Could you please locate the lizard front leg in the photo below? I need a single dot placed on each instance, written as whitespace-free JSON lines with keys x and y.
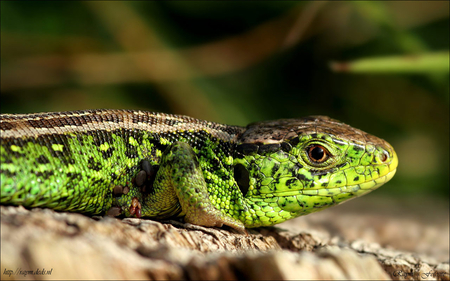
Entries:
{"x":180,"y":171}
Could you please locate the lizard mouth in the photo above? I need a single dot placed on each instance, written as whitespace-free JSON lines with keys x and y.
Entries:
{"x":356,"y":189}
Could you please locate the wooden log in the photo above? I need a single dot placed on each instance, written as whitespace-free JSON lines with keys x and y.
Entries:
{"x":43,"y":244}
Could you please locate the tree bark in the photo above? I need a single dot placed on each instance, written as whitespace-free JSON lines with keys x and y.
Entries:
{"x":43,"y":244}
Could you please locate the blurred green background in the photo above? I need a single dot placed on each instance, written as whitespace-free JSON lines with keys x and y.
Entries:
{"x":379,"y":66}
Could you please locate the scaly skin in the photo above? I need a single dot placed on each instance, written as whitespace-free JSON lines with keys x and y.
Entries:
{"x":93,"y":161}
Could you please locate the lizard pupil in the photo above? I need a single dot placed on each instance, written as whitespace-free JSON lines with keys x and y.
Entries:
{"x":317,"y":153}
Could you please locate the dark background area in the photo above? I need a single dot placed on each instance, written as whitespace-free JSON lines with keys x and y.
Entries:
{"x":240,"y":62}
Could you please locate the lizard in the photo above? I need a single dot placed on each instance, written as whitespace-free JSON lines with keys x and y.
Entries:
{"x":132,"y":163}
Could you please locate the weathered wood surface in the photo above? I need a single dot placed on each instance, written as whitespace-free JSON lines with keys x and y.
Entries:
{"x":73,"y":246}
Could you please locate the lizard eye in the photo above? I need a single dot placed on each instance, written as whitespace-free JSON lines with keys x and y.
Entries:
{"x":318,"y":153}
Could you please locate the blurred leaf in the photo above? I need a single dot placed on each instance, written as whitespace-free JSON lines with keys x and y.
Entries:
{"x":427,"y":63}
{"x":381,"y":16}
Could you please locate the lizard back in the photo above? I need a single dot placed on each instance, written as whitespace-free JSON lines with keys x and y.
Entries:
{"x":73,"y":160}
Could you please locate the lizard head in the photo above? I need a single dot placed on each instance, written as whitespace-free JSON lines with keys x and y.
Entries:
{"x":292,"y":167}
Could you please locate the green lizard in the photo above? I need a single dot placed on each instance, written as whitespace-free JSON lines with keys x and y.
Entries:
{"x":154,"y":165}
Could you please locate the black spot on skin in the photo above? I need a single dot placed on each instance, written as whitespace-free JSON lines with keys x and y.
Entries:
{"x":98,"y":182}
{"x":356,"y":179}
{"x":42,"y":160}
{"x":294,"y":141}
{"x":65,"y":156}
{"x":275,"y":168}
{"x":128,"y":171}
{"x":238,"y":155}
{"x":139,"y":118}
{"x":247,"y":148}
{"x":301,"y":177}
{"x":314,"y":136}
{"x":94,"y":165}
{"x":102,"y":137}
{"x":275,"y":182}
{"x":242,"y":177}
{"x":338,"y":181}
{"x":8,"y":173}
{"x":224,"y":177}
{"x":131,"y":151}
{"x":289,"y":182}
{"x":5,"y":126}
{"x":358,"y":148}
{"x":171,"y":122}
{"x":325,"y":184}
{"x":108,"y":153}
{"x":73,"y":175}
{"x":268,"y":148}
{"x":215,"y":163}
{"x":286,"y":147}
{"x":8,"y":157}
{"x":159,"y":146}
{"x":45,"y":175}
{"x":153,"y":153}
{"x":57,"y":154}
{"x":322,"y":172}
{"x":312,"y":184}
